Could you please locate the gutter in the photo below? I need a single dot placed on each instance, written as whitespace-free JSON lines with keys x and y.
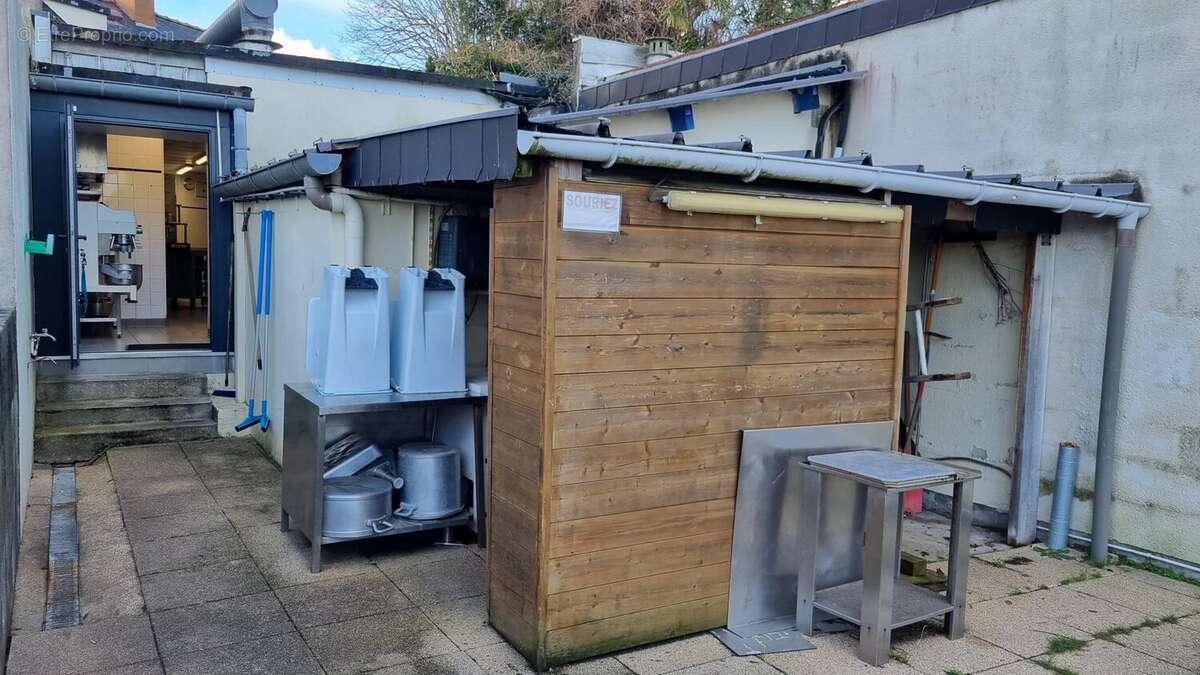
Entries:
{"x":184,"y":98}
{"x":287,"y":173}
{"x":751,"y":166}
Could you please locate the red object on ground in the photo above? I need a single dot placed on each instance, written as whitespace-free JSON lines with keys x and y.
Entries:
{"x":914,"y":501}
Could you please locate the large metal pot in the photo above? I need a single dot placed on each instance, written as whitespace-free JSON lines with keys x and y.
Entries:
{"x":357,"y":506}
{"x":432,"y":481}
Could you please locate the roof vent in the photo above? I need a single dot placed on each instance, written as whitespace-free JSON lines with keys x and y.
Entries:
{"x":658,"y":49}
{"x":247,"y":24}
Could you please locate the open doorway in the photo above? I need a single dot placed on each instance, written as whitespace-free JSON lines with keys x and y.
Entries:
{"x":143,"y":223}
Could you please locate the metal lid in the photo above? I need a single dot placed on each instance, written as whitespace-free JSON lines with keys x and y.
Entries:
{"x":350,"y":488}
{"x":425,"y":450}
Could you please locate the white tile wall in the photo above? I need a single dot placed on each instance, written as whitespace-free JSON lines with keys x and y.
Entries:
{"x":142,"y":192}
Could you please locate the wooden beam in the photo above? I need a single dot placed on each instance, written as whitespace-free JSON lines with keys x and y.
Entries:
{"x":1026,"y":483}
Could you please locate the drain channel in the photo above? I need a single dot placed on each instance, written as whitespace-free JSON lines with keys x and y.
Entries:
{"x":62,"y":574}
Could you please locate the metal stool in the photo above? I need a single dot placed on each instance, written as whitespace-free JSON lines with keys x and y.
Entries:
{"x":881,"y":602}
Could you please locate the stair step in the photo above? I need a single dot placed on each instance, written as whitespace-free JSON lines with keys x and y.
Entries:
{"x":106,"y":387}
{"x":83,"y":442}
{"x":74,"y":413}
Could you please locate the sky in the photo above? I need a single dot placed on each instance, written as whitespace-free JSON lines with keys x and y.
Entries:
{"x":303,"y":27}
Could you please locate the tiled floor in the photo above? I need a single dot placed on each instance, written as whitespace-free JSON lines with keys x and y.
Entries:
{"x":183,"y":326}
{"x":184,"y":570}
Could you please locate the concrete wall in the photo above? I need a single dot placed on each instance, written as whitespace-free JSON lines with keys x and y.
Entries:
{"x":15,"y":285}
{"x":1078,"y":90}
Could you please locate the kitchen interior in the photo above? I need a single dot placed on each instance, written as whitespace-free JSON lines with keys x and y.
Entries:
{"x":143,"y":253}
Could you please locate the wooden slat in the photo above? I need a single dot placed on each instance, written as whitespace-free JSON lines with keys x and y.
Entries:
{"x":520,"y":203}
{"x":513,"y":526}
{"x":523,"y":458}
{"x":513,"y":616}
{"x":653,"y":625}
{"x":643,"y":423}
{"x":522,"y":277}
{"x":516,"y":349}
{"x":639,"y":527}
{"x":642,"y":560}
{"x":516,"y":567}
{"x":515,"y":489}
{"x":520,"y":240}
{"x":624,"y":316}
{"x":609,"y":353}
{"x":638,"y":210}
{"x":665,"y":244}
{"x":622,"y":495}
{"x":627,"y":597}
{"x":516,"y":312}
{"x":650,"y":387}
{"x":517,"y":420}
{"x":645,"y":458}
{"x":518,"y":384}
{"x":598,"y":279}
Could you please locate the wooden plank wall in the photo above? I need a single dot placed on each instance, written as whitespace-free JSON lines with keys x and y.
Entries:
{"x":658,"y":346}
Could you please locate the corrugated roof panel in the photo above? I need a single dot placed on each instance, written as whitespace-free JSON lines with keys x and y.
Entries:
{"x":783,"y":44}
{"x":466,"y":150}
{"x":391,"y":158}
{"x":652,"y":82}
{"x":670,"y":76}
{"x":367,"y":164}
{"x":440,"y":161}
{"x":414,"y":149}
{"x":735,"y":57}
{"x":689,"y":72}
{"x":634,"y":86}
{"x":810,"y":37}
{"x":842,"y":27}
{"x":758,"y":51}
{"x":878,"y":17}
{"x":710,"y":65}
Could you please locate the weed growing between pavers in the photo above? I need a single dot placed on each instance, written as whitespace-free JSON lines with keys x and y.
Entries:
{"x":1147,"y":566}
{"x":1082,"y":576}
{"x":1061,"y":644}
{"x":1110,"y":633}
{"x":955,"y":672}
{"x":1054,"y":668}
{"x":900,"y":655}
{"x":1056,"y":553}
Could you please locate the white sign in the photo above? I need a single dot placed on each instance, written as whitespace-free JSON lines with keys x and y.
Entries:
{"x":591,"y":211}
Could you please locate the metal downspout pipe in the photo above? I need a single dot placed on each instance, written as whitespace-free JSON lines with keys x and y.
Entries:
{"x":340,"y":202}
{"x":1110,"y":388}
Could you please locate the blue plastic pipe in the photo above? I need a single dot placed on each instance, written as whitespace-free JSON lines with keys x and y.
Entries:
{"x":1064,"y":495}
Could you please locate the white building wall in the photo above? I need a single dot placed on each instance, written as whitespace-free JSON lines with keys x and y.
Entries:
{"x":1078,"y":90}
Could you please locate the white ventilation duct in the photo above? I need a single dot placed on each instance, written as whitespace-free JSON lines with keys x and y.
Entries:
{"x":247,"y":24}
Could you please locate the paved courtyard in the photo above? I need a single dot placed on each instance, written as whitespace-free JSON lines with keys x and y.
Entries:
{"x":183,"y":569}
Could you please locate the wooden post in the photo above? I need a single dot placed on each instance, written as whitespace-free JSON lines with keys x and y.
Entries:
{"x":1026,"y":482}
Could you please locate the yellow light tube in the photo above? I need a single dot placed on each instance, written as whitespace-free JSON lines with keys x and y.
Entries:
{"x":781,"y":207}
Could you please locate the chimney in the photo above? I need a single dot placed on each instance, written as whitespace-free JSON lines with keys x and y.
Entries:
{"x":141,"y":11}
{"x":246,"y":24}
{"x":658,"y":49}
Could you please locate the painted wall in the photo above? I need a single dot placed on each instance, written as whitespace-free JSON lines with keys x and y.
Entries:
{"x":294,"y":107}
{"x":1104,"y":91}
{"x":15,"y":284}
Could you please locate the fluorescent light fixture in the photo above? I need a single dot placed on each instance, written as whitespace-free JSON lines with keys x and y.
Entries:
{"x":184,"y":170}
{"x":202,"y":161}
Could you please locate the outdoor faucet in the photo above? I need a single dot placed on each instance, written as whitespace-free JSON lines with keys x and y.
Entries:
{"x":35,"y":341}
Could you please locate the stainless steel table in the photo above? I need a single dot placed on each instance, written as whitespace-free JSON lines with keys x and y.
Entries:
{"x":880,"y":602}
{"x":312,"y":419}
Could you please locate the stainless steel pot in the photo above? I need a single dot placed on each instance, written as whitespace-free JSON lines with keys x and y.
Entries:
{"x":432,"y":478}
{"x":357,"y":506}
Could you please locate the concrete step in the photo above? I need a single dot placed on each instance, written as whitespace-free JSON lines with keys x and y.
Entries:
{"x":108,"y":387}
{"x":75,"y":413}
{"x":83,"y":442}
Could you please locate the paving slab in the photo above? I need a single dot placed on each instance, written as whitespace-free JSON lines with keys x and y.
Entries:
{"x":341,"y":599}
{"x":375,"y":642}
{"x":1181,"y":587}
{"x":215,"y":624}
{"x":29,"y":605}
{"x":108,"y":582}
{"x":227,"y":463}
{"x":988,"y":582}
{"x":928,"y":651}
{"x":604,"y":665}
{"x":164,"y":505}
{"x":283,"y":557}
{"x":179,"y":588}
{"x":191,"y":550}
{"x":83,"y":649}
{"x":464,"y":621}
{"x":452,"y":579}
{"x":148,"y":461}
{"x":732,"y":665}
{"x":1192,"y":622}
{"x":837,"y":653}
{"x":136,"y":488}
{"x":501,"y":658}
{"x":1172,"y":643}
{"x":1026,"y":667}
{"x":1040,"y":569}
{"x":674,"y":655}
{"x":450,"y":664}
{"x":176,"y":525}
{"x":1025,"y":623}
{"x":250,"y":505}
{"x":1129,"y":591}
{"x":420,"y":550}
{"x":145,"y":668}
{"x":270,"y":656}
{"x":1101,"y":657}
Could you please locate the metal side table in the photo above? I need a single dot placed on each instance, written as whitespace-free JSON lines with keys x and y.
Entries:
{"x":880,"y":602}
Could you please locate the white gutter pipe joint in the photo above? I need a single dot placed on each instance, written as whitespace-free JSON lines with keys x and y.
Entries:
{"x":338,"y":202}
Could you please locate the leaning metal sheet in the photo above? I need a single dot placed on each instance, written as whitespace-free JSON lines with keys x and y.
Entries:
{"x":762,"y":586}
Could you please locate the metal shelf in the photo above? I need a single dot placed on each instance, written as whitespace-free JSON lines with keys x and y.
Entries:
{"x":407,"y":525}
{"x":910,"y":603}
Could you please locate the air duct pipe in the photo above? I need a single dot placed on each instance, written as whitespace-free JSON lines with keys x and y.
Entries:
{"x":248,"y":24}
{"x":339,"y":202}
{"x":1110,"y":387}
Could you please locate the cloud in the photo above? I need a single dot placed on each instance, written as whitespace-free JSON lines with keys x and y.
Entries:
{"x":301,"y":46}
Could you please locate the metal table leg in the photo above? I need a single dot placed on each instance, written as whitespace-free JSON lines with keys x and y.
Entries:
{"x":879,"y":576}
{"x":807,"y":546}
{"x":960,"y":555}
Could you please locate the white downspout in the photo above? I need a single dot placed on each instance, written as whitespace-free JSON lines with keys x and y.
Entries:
{"x":339,"y":202}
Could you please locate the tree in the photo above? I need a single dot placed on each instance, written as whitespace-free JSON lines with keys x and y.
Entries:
{"x":481,"y":38}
